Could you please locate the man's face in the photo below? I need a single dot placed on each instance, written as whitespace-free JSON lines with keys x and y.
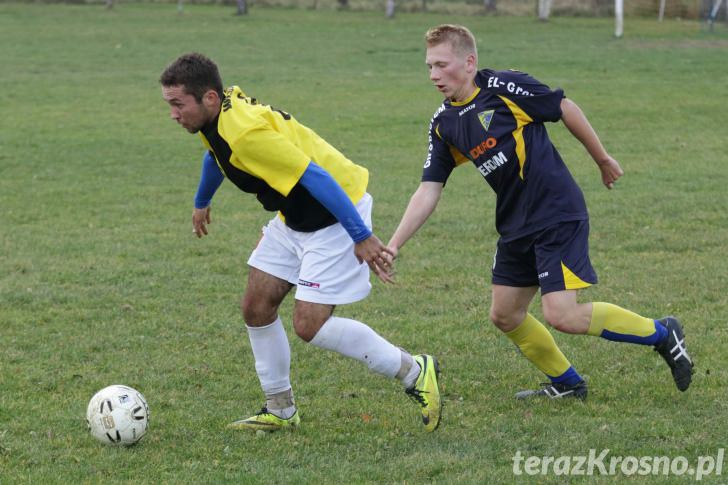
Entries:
{"x":185,"y":110}
{"x":451,"y":72}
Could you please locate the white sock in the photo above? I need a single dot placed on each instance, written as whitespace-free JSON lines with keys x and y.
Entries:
{"x":272,"y":357}
{"x":410,"y":378}
{"x":281,"y":404}
{"x":358,"y":341}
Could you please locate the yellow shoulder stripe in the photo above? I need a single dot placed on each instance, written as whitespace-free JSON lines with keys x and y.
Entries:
{"x":522,"y":119}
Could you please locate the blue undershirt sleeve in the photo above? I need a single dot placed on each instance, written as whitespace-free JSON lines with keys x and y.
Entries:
{"x":210,"y":179}
{"x":329,"y":193}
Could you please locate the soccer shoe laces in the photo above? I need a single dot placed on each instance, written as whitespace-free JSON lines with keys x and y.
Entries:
{"x":263,"y":411}
{"x":417,"y":396}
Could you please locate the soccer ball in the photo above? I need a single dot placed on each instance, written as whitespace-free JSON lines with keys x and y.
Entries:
{"x":118,"y":415}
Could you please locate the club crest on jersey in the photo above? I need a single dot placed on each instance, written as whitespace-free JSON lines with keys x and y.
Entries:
{"x":485,"y":118}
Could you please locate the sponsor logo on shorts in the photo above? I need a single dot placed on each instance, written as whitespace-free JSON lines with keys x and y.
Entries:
{"x":310,"y":284}
{"x":543,"y":275}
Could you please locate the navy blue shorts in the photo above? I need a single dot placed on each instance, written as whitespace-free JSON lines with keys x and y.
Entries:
{"x":555,"y":259}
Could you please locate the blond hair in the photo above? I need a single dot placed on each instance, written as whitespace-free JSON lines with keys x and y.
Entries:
{"x":458,"y":36}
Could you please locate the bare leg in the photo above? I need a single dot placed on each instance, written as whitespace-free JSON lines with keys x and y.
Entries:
{"x":268,"y":339}
{"x":262,"y":298}
{"x":561,"y":311}
{"x":510,"y":305}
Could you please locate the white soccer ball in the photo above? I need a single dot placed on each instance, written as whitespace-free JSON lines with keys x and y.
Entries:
{"x":118,"y":415}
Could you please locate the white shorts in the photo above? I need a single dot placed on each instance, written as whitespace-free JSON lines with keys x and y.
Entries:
{"x":321,"y":264}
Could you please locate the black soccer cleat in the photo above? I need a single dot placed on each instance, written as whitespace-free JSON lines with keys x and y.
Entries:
{"x":554,"y":390}
{"x":675,"y":353}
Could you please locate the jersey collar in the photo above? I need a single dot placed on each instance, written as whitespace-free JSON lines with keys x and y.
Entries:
{"x":470,"y":98}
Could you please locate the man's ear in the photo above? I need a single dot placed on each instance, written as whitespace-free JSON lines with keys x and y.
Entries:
{"x":211,"y":99}
{"x":471,"y":63}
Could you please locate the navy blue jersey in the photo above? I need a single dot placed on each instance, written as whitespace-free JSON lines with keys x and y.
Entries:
{"x":500,"y":128}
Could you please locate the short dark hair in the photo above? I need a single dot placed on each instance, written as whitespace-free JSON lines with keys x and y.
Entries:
{"x":195,"y":72}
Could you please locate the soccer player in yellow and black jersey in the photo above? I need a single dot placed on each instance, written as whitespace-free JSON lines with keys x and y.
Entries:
{"x":318,"y":241}
{"x":495,"y":120}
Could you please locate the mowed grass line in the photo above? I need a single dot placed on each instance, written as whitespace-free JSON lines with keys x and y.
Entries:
{"x":101,"y":281}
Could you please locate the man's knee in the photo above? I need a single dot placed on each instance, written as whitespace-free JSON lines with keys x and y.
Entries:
{"x":558,"y":318}
{"x":506,"y":321}
{"x":308,"y":318}
{"x":509,"y":306}
{"x":307,"y":326}
{"x":257,"y":312}
{"x":262,"y":297}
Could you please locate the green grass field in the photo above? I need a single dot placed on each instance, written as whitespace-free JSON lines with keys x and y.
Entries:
{"x":101,"y":281}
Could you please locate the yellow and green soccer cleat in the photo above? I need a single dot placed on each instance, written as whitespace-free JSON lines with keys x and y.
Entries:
{"x":266,"y":421}
{"x":426,"y":392}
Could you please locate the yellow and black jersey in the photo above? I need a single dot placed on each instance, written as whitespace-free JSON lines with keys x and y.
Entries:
{"x":500,"y":129}
{"x":265,"y":151}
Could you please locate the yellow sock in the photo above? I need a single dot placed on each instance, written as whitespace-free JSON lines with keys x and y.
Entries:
{"x":539,"y":346}
{"x":617,"y":324}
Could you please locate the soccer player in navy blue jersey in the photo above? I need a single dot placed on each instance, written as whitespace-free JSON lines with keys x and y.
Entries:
{"x":318,"y":241}
{"x":495,"y":120}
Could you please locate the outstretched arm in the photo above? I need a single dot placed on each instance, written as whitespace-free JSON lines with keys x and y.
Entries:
{"x":210,"y":179}
{"x":367,"y":247}
{"x":420,"y":207}
{"x":579,"y":126}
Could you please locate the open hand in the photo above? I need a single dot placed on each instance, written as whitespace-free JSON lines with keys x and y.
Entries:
{"x":200,"y":220}
{"x":377,"y":256}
